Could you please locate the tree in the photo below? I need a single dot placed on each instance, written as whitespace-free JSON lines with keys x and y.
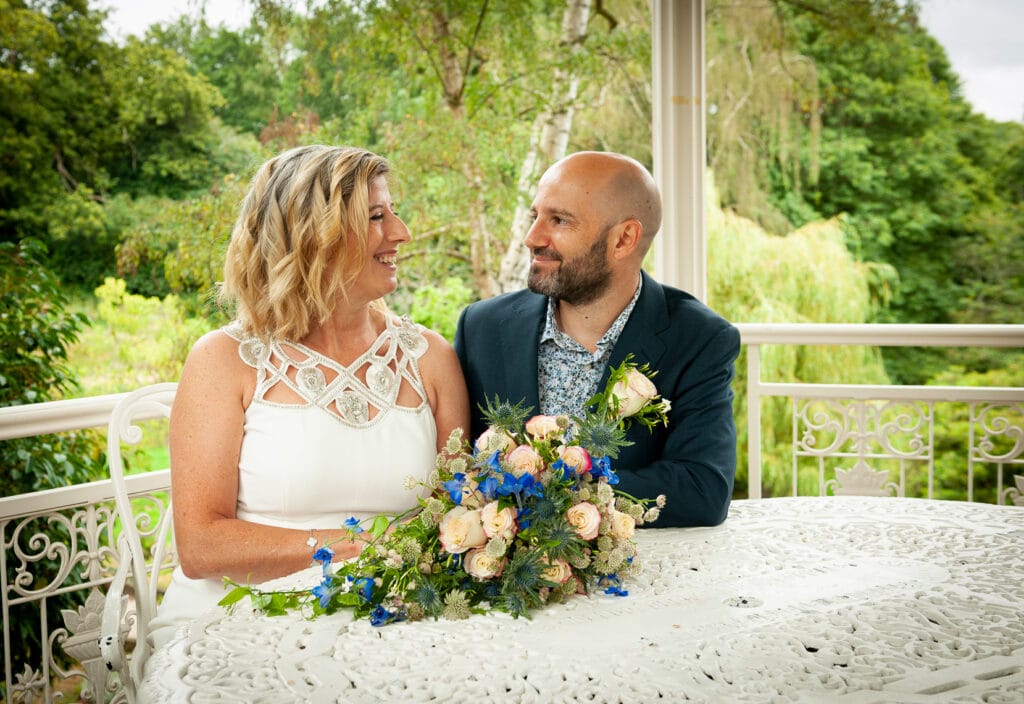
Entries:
{"x":82,"y":119}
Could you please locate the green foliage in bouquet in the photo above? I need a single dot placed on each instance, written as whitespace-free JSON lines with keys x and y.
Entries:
{"x":528,"y":517}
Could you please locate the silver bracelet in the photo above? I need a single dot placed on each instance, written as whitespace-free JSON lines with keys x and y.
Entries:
{"x":311,"y":541}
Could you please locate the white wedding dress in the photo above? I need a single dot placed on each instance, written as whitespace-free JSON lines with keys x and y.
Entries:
{"x":346,"y":449}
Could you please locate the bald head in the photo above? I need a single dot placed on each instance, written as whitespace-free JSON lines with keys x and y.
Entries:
{"x":618,"y":187}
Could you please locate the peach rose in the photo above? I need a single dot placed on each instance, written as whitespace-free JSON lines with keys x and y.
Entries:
{"x":576,"y":457}
{"x":541,"y":427}
{"x":460,"y":530}
{"x":493,"y":439}
{"x":558,"y":571}
{"x":479,"y":565}
{"x":498,"y":523}
{"x":623,"y":525}
{"x":524,"y":459}
{"x":585,"y":519}
{"x":633,"y":392}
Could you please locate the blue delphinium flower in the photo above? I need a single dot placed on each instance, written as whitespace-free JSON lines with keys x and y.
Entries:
{"x":524,"y":485}
{"x":603,"y":468}
{"x":489,"y":487}
{"x":523,"y":518}
{"x":352,"y":523}
{"x":454,"y":487}
{"x":366,"y":585}
{"x":324,"y":591}
{"x":494,"y":462}
{"x":566,"y":471}
{"x":381,"y":616}
{"x":614,"y":587}
{"x":324,"y":555}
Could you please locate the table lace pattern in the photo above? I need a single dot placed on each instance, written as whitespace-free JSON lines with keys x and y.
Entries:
{"x":356,"y":394}
{"x":833,"y":599}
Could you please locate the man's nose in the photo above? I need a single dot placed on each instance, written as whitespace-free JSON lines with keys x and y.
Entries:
{"x":534,"y":236}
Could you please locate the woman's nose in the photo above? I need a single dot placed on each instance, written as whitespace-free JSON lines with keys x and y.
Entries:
{"x":398,"y":231}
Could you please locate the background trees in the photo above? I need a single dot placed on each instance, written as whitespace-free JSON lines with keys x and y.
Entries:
{"x":840,"y":150}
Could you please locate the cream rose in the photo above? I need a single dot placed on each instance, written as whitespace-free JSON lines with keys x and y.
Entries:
{"x":460,"y":530}
{"x":479,"y":565}
{"x":498,"y":523}
{"x":576,"y":457}
{"x":524,"y":459}
{"x":558,"y":571}
{"x":633,"y":392}
{"x":585,"y":519}
{"x":493,"y":439}
{"x":542,"y":427}
{"x":622,"y":525}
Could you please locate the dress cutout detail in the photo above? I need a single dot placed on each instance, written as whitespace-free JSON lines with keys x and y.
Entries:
{"x":358,"y":394}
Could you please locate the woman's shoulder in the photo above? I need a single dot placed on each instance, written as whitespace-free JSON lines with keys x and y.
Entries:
{"x":215,"y":369}
{"x":224,"y":346}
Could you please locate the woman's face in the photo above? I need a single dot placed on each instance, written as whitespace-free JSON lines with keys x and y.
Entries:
{"x":379,"y":276}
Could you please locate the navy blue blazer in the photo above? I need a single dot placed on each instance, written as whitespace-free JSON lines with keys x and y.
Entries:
{"x":693,"y":350}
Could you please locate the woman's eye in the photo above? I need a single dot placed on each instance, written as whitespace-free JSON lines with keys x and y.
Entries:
{"x":377,"y":216}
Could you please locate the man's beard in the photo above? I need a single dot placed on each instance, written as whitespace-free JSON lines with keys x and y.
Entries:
{"x":577,"y":281}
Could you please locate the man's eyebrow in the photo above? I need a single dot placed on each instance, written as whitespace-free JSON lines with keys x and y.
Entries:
{"x":560,"y":212}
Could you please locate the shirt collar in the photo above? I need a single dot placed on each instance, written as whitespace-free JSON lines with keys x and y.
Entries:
{"x":611,"y":335}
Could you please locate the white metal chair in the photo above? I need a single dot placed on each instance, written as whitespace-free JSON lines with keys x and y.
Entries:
{"x":140,"y":574}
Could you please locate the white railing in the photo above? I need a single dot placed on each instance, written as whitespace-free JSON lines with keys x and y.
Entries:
{"x":60,"y":544}
{"x":863,"y":426}
{"x":861,"y":417}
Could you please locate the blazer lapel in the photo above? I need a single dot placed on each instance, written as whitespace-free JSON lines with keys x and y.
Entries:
{"x":520,"y":329}
{"x":643,"y":332}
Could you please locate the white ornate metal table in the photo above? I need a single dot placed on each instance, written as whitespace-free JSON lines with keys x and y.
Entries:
{"x":837,"y":599}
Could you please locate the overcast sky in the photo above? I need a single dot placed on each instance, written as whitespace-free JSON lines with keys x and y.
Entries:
{"x":983,"y":38}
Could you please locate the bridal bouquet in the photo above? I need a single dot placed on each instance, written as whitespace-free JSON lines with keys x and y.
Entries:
{"x":527,"y":517}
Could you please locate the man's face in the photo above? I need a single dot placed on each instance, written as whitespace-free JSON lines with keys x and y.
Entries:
{"x":578,"y":280}
{"x":568,"y":243}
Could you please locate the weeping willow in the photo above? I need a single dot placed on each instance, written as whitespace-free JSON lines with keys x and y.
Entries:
{"x":763,"y":109}
{"x":808,"y":276}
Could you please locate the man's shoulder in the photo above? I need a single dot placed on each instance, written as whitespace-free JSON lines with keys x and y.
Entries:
{"x":685,"y":309}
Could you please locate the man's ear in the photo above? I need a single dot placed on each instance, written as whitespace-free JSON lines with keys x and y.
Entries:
{"x":626,"y":238}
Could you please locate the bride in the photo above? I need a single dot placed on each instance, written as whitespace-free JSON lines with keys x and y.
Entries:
{"x":316,"y":404}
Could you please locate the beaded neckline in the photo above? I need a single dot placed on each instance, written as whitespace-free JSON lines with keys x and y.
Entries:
{"x":357,"y":394}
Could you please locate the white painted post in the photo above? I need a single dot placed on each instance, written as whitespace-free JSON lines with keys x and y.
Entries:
{"x":679,"y":142}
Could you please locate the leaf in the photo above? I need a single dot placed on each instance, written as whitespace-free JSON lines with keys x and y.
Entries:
{"x":235,"y":595}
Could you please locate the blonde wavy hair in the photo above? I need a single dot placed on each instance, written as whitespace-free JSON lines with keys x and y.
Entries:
{"x":300,"y":239}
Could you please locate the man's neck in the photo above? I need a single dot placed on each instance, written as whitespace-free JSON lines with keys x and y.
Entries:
{"x":588,"y":322}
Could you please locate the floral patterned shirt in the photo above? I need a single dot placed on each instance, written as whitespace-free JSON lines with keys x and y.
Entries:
{"x":568,"y":373}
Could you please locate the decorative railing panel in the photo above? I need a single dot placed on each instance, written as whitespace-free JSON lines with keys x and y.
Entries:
{"x":881,"y":440}
{"x":57,"y":561}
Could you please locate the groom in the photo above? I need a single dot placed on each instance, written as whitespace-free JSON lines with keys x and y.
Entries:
{"x":588,"y":306}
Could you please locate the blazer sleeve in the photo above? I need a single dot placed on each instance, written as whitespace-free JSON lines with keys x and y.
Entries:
{"x":696,"y":466}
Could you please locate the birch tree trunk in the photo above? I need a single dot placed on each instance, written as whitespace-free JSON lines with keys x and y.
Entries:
{"x":548,"y":144}
{"x":453,"y":82}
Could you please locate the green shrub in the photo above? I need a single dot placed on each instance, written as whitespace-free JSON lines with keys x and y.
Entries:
{"x":36,"y":329}
{"x":438,"y":308}
{"x":135,"y":340}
